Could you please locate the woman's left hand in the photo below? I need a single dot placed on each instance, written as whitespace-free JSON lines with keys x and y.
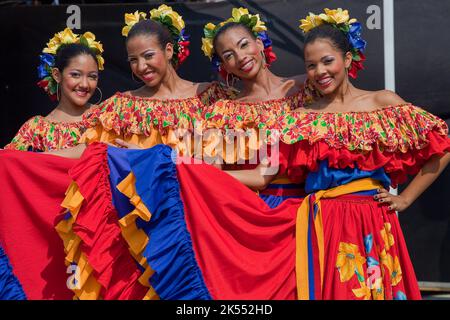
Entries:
{"x":396,"y":202}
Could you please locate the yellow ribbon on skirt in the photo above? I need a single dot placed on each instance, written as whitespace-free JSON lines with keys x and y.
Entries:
{"x":302,"y":225}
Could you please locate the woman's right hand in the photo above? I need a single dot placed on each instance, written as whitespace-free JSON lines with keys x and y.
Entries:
{"x":126,"y":145}
{"x":218,"y":165}
{"x":73,"y":153}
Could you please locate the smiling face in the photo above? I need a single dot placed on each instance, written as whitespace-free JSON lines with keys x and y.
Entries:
{"x":78,"y":80}
{"x":326,"y":65}
{"x":240,"y":52}
{"x":148,"y":61}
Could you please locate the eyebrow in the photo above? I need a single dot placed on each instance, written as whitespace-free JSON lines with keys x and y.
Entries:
{"x":244,"y":38}
{"x":321,"y":59}
{"x":142,"y":53}
{"x":80,"y":71}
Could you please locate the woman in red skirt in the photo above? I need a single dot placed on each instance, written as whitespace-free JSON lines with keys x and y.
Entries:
{"x":350,"y":146}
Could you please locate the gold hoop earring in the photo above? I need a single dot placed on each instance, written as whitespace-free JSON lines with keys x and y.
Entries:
{"x":101,"y":95}
{"x":57,"y":91}
{"x":233,"y":79}
{"x":263,"y":55}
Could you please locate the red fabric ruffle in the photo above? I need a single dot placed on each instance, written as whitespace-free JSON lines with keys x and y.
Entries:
{"x":33,"y":186}
{"x":305,"y":158}
{"x":244,"y":249}
{"x":97,"y":226}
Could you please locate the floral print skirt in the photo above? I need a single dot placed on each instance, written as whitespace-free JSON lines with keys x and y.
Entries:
{"x":365,"y":252}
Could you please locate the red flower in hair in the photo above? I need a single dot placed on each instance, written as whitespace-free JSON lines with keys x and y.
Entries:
{"x":184,"y":51}
{"x":356,"y":66}
{"x":53,"y":97}
{"x":43,"y":84}
{"x":270,"y":55}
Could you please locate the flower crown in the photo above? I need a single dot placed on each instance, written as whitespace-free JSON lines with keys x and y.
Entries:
{"x":47,"y":82}
{"x":340,"y":19}
{"x":241,"y":16}
{"x":169,"y":18}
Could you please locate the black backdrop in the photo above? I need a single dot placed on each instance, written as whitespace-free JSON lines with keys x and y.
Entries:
{"x":422,"y":76}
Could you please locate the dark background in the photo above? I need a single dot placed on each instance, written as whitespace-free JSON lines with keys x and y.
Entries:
{"x":422,"y":75}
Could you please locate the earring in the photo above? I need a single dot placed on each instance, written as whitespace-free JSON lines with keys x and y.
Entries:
{"x":101,"y":95}
{"x":132,"y":77}
{"x":263,"y":55}
{"x":57,"y":91}
{"x":233,"y":79}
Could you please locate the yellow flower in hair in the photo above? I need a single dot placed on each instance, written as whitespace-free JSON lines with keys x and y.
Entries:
{"x":225,"y":22}
{"x":90,"y":38}
{"x":238,"y":13}
{"x":207,"y":47}
{"x":162,"y":9}
{"x":336,"y":16}
{"x":260,"y":25}
{"x":210,"y":26}
{"x":166,"y":11}
{"x":52,"y":46}
{"x":177,"y":21}
{"x":100,"y":62}
{"x":67,"y":36}
{"x":310,"y":22}
{"x":131,"y":19}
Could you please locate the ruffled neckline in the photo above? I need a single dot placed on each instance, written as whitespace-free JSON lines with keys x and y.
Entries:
{"x":229,"y":114}
{"x":86,"y":118}
{"x":399,"y":138}
{"x":266,"y":103}
{"x":134,"y":115}
{"x":375,"y":110}
{"x":198,"y":96}
{"x":395,"y":128}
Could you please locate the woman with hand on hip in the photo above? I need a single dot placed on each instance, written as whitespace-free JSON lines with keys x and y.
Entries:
{"x":350,"y":146}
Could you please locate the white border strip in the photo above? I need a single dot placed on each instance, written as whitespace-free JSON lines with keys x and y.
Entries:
{"x":389,"y":51}
{"x":389,"y":45}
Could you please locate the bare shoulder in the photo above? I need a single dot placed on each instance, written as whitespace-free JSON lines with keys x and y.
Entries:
{"x":384,"y":98}
{"x":202,"y":86}
{"x":310,"y":107}
{"x":139,"y":92}
{"x":299,"y":79}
